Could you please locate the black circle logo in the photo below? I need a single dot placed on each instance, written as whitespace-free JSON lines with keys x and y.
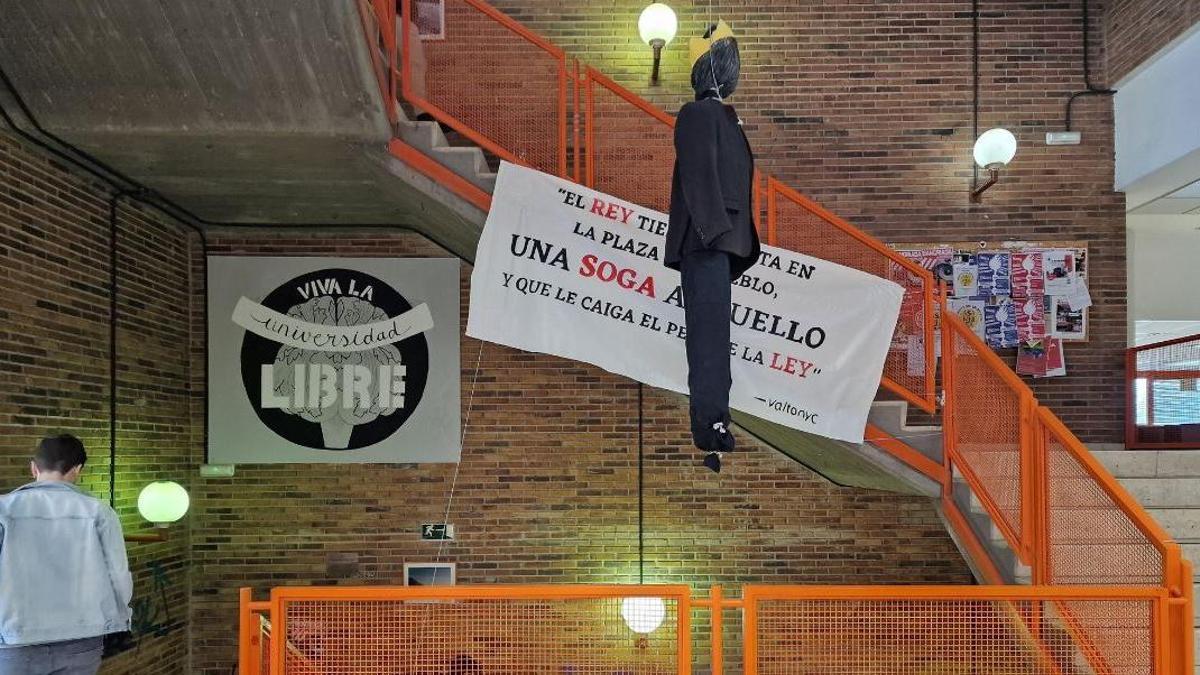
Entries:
{"x":335,"y":400}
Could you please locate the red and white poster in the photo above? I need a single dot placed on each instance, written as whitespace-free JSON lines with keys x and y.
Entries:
{"x":1031,"y":318}
{"x":1027,"y":280}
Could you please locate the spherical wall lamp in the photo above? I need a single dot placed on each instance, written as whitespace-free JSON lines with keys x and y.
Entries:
{"x":643,"y":615}
{"x":994,"y":149}
{"x":657,"y":25}
{"x":163,"y":502}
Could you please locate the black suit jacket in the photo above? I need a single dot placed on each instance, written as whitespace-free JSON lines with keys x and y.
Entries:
{"x":711,"y":203}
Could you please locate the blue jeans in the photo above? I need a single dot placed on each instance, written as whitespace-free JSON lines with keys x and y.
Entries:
{"x":73,"y":657}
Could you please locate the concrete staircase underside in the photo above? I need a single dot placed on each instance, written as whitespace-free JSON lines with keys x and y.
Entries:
{"x":239,"y":112}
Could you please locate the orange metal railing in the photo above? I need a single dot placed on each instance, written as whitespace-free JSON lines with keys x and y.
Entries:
{"x":474,"y":629}
{"x":1163,"y":394}
{"x":858,"y":630}
{"x":982,"y":630}
{"x":1063,"y":515}
{"x":521,"y":98}
{"x":1060,"y":510}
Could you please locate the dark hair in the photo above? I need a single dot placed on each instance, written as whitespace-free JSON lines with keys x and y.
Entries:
{"x":59,"y":453}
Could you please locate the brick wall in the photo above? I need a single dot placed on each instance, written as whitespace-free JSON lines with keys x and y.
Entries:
{"x":545,"y":493}
{"x":54,"y":357}
{"x":867,"y":108}
{"x":1136,"y":29}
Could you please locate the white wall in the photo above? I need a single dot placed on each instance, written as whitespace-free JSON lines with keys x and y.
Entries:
{"x":1164,"y":268}
{"x":1157,"y":133}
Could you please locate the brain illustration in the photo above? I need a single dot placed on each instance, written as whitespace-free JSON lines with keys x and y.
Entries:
{"x":338,"y":415}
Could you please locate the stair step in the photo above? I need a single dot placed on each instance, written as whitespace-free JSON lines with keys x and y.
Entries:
{"x":424,"y":136}
{"x":892,"y":416}
{"x":1179,"y":463}
{"x":1164,"y":492}
{"x":1181,"y":523}
{"x":465,"y":162}
{"x":1150,"y":463}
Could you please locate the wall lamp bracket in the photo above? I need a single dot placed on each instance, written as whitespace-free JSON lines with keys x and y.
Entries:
{"x":978,"y":190}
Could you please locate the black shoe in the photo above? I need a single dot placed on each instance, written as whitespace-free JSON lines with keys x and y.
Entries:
{"x":713,"y":461}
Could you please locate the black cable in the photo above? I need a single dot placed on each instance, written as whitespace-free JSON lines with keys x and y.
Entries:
{"x":112,"y":347}
{"x":1091,"y":90}
{"x":975,"y":85}
{"x":641,"y":503}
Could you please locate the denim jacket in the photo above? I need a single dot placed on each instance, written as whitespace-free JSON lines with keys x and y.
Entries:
{"x":63,"y":570}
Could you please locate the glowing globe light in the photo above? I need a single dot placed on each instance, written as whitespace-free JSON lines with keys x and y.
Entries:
{"x":163,"y":502}
{"x":995,"y":148}
{"x":643,"y":615}
{"x":657,"y":22}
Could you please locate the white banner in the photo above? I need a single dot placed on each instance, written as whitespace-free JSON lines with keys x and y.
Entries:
{"x":572,"y":272}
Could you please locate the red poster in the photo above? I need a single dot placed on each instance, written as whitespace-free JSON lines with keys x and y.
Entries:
{"x":1031,"y":358}
{"x":1031,"y":319}
{"x":1027,"y":279}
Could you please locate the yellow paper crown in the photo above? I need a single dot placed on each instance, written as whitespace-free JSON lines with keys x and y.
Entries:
{"x":699,"y":46}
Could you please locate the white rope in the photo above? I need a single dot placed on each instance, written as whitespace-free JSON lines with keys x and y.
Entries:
{"x":462,"y":448}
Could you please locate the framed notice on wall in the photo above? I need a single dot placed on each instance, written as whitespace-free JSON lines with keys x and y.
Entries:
{"x":333,"y":360}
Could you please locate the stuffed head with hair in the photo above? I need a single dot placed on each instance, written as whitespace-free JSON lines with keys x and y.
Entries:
{"x":716,"y":63}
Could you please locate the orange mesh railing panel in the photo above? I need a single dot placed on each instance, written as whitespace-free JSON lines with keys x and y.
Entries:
{"x":986,"y":444}
{"x":796,"y":223}
{"x":630,"y":146}
{"x":945,"y":631}
{"x":1164,"y":394}
{"x":480,"y":630}
{"x":1092,"y":539}
{"x":488,"y":63}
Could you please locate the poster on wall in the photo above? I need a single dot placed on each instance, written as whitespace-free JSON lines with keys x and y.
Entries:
{"x":569,"y":271}
{"x":333,"y":360}
{"x":1032,"y":296}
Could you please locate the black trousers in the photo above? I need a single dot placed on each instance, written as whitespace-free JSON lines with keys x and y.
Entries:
{"x":707,"y":294}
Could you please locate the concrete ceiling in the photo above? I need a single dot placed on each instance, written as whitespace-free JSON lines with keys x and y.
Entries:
{"x":238,"y":111}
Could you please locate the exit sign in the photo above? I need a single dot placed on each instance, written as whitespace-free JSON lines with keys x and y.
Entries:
{"x":437,"y":531}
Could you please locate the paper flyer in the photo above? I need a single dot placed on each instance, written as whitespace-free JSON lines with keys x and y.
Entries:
{"x":1000,"y":326}
{"x":1056,"y":364}
{"x":1031,"y":358}
{"x":971,"y":313}
{"x":916,"y":355}
{"x":1031,"y":318}
{"x":1079,"y":298}
{"x":1065,"y":323}
{"x":1027,"y":279}
{"x":929,"y":258}
{"x":966,"y":280}
{"x":1058,"y":270}
{"x":994,"y":274}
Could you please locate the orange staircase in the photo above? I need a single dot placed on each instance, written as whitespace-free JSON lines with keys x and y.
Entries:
{"x":1106,"y":590}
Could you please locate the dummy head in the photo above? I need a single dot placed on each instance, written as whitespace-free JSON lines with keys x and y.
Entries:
{"x":716,"y":63}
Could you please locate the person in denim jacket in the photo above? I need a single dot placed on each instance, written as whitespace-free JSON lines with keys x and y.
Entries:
{"x":64,"y":577}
